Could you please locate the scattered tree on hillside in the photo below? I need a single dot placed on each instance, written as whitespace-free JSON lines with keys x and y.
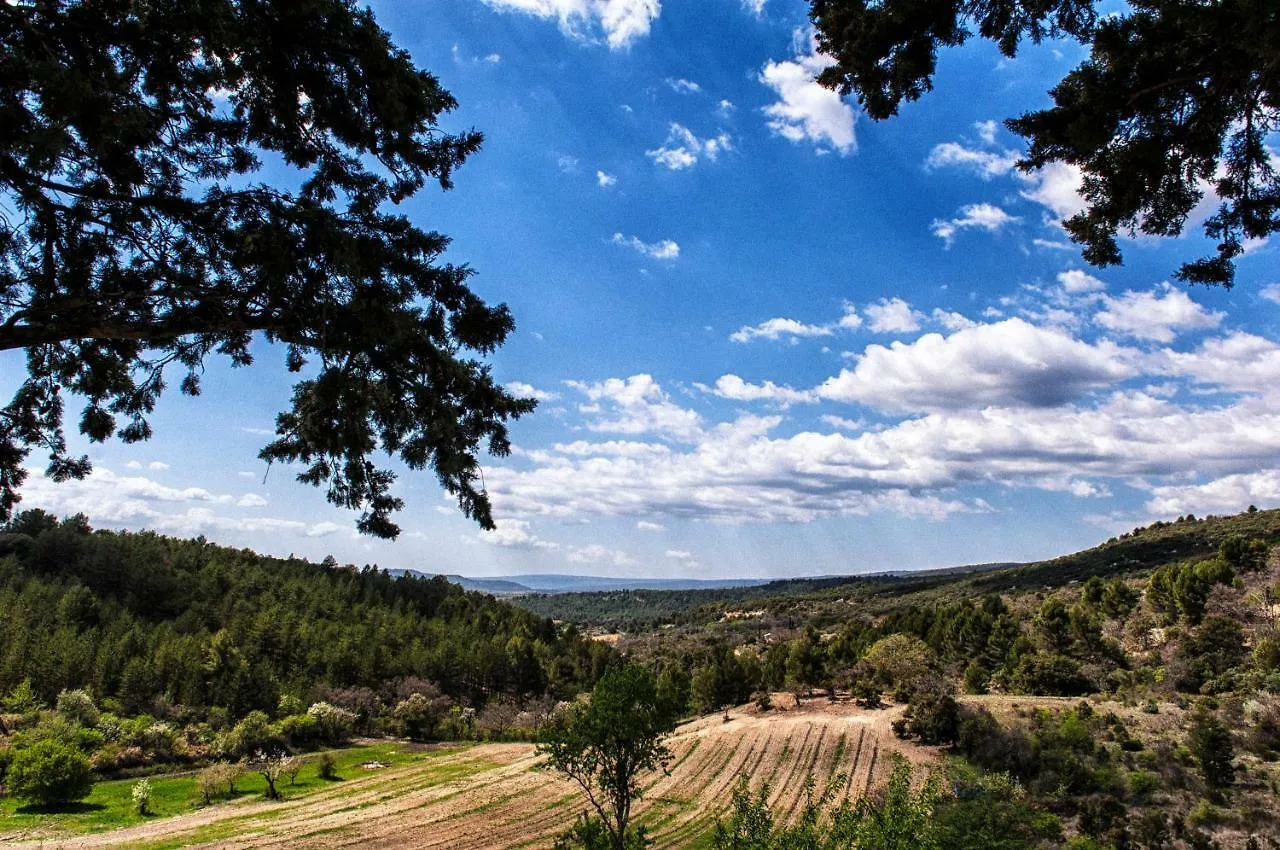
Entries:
{"x":1210,"y":742}
{"x":606,"y":743}
{"x":1176,"y":100}
{"x":141,"y":239}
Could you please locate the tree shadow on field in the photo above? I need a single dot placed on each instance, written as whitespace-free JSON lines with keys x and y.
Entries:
{"x":59,"y":809}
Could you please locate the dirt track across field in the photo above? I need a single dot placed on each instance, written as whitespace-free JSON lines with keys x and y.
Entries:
{"x":506,"y":801}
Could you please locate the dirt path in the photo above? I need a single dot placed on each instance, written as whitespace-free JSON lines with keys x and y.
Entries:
{"x":509,"y":802}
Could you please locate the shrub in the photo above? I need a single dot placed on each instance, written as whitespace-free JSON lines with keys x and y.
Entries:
{"x":78,"y":707}
{"x":933,"y":716}
{"x":141,"y":794}
{"x":50,"y":773}
{"x":335,"y":724}
{"x":1050,"y":675}
{"x":419,"y":715}
{"x":327,"y":768}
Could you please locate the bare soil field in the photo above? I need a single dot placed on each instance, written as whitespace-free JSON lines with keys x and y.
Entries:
{"x":496,"y":796}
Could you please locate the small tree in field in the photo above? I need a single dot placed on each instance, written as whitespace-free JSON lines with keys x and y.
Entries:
{"x":605,"y":744}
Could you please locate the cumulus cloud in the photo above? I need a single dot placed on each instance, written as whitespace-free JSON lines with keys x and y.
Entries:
{"x":519,"y":534}
{"x":520,"y":388}
{"x":1228,"y":494}
{"x":1157,"y":314}
{"x":892,"y":315}
{"x":950,"y":320}
{"x":1075,"y":282}
{"x":778,"y":328}
{"x":637,"y":405}
{"x":684,"y":557}
{"x":988,"y":217}
{"x":621,"y":22}
{"x":605,"y":181}
{"x":1010,"y":363}
{"x":740,"y":471}
{"x":804,"y":110}
{"x":755,"y":7}
{"x":1271,"y":292}
{"x":985,"y":164}
{"x":1055,"y":187}
{"x":736,"y":389}
{"x":663,"y":249}
{"x":645,"y":525}
{"x":683,"y":149}
{"x":134,"y":502}
{"x":683,"y":86}
{"x":1238,"y":362}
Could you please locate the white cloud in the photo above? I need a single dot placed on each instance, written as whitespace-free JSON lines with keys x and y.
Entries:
{"x":724,"y":107}
{"x":595,"y":553}
{"x":683,"y":149}
{"x":1156,"y":314}
{"x":1056,"y":187}
{"x":683,"y":86}
{"x":987,"y":131}
{"x":1228,"y":494}
{"x":684,"y":557}
{"x":988,"y":217}
{"x":1075,"y":282}
{"x":950,"y":320}
{"x":524,"y":390}
{"x":1011,"y":363}
{"x":637,"y":405}
{"x":620,"y":21}
{"x":777,"y":328}
{"x":157,"y":466}
{"x":645,"y":525}
{"x":121,"y":501}
{"x":663,"y":249}
{"x":985,"y":164}
{"x":606,"y":181}
{"x":892,"y":315}
{"x":805,"y":111}
{"x":1271,"y":292}
{"x":515,"y":533}
{"x":843,"y":424}
{"x":755,"y":7}
{"x":1239,"y":362}
{"x":734,"y":388}
{"x":567,"y":164}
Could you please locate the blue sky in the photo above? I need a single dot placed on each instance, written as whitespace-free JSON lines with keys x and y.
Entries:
{"x":771,"y":336}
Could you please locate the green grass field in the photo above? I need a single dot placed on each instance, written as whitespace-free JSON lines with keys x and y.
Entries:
{"x":110,"y":805}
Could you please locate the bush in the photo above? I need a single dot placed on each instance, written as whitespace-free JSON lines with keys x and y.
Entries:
{"x":1050,"y":675}
{"x":335,"y":724}
{"x":933,"y":716}
{"x":141,"y":794}
{"x":50,"y":773}
{"x":327,"y":768}
{"x":78,"y":707}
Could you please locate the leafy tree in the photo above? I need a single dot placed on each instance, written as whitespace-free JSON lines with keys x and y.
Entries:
{"x":900,"y":658}
{"x":141,"y":239}
{"x":49,"y":773}
{"x":606,"y":743}
{"x":1176,"y":98}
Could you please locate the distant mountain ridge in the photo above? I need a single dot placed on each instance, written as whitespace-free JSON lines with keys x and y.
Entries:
{"x":560,"y":583}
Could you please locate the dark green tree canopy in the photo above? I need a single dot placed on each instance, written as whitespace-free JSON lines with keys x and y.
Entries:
{"x":135,"y":237}
{"x":1176,"y":96}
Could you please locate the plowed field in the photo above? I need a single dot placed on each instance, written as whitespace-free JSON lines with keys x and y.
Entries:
{"x":494,"y":796}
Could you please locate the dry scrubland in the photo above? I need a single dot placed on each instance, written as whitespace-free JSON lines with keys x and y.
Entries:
{"x":493,"y":795}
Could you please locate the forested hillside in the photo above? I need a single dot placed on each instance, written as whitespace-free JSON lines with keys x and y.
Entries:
{"x":150,"y":623}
